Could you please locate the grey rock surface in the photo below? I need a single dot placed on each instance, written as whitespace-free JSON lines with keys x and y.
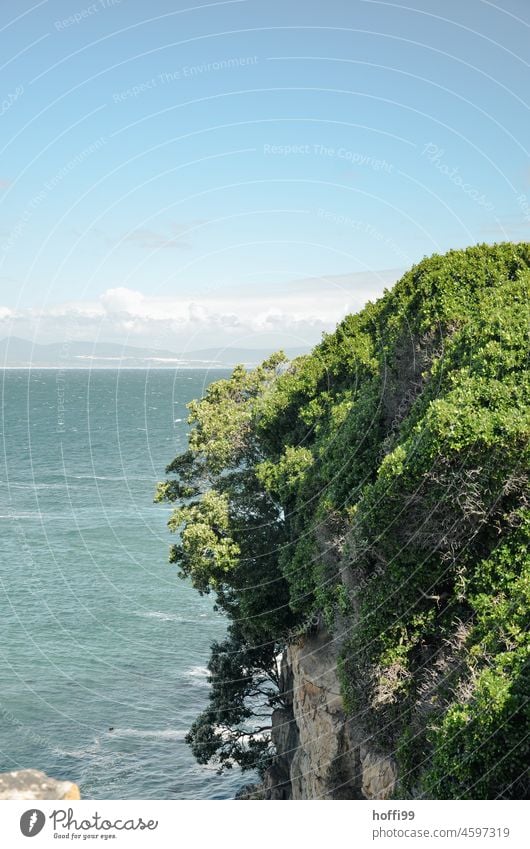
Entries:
{"x":33,"y":784}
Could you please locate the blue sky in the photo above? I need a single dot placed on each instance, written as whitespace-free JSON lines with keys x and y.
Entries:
{"x":235,"y":173}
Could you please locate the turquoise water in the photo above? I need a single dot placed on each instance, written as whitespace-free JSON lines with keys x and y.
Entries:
{"x":96,"y":629}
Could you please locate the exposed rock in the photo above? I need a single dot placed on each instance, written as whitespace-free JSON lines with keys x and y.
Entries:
{"x":379,"y":775}
{"x":321,"y":752}
{"x":284,"y":735}
{"x":250,"y":792}
{"x":33,"y":784}
{"x":277,"y":783}
{"x":323,"y":765}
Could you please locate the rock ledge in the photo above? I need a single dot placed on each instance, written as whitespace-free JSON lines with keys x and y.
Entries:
{"x":33,"y":784}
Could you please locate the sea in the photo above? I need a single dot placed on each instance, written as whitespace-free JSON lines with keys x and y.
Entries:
{"x":103,"y":648}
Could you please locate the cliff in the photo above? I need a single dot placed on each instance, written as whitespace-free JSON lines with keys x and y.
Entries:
{"x":364,"y":512}
{"x":321,"y":752}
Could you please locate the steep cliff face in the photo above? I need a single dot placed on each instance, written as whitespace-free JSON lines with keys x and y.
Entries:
{"x":321,"y":752}
{"x":379,"y":487}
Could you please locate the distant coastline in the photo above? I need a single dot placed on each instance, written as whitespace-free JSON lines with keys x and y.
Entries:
{"x":38,"y":367}
{"x":17,"y":353}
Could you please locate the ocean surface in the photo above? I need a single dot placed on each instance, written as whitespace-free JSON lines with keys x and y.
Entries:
{"x":97,"y":631}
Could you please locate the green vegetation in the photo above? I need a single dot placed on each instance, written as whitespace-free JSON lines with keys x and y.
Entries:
{"x":380,"y":482}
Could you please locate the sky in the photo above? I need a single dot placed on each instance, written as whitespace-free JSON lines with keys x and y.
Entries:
{"x":244,"y":173}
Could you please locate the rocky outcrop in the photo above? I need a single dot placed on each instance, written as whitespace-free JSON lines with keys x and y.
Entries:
{"x":379,"y":775}
{"x":33,"y":784}
{"x":321,"y":752}
{"x":285,"y":737}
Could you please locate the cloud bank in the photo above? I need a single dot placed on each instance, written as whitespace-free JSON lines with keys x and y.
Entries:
{"x":294,"y":313}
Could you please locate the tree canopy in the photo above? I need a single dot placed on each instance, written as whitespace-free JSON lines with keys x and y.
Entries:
{"x":380,"y":482}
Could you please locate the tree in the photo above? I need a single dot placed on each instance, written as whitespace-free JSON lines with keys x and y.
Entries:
{"x":230,"y":534}
{"x":379,"y":485}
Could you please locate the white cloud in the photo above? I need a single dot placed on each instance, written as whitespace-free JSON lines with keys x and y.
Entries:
{"x":122,"y":300}
{"x":294,"y":313}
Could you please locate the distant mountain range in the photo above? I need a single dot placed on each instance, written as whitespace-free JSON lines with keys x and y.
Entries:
{"x":22,"y":353}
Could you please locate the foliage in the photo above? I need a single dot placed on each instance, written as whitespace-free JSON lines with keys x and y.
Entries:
{"x":481,"y":747}
{"x":380,"y":482}
{"x":229,"y":533}
{"x":234,"y":729}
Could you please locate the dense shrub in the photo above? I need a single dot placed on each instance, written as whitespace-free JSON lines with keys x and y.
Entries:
{"x":382,"y":481}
